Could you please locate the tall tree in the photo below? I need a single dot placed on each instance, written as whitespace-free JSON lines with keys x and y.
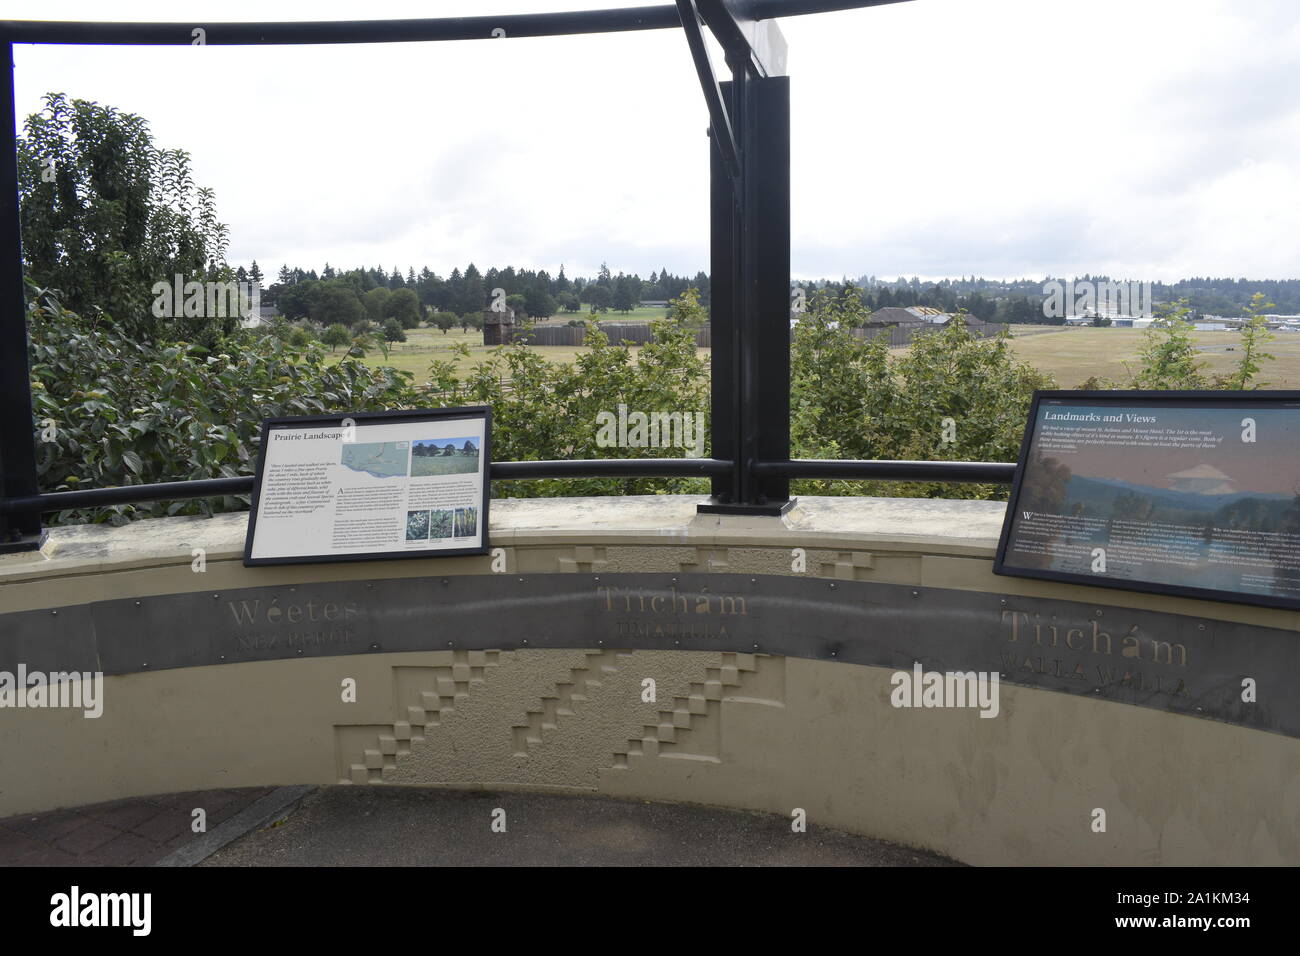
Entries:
{"x":376,"y":303}
{"x":404,"y":306}
{"x":105,"y":215}
{"x":472,"y":296}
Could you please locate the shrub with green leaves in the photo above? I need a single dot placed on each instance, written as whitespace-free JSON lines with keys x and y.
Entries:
{"x":548,"y":410}
{"x":125,"y":413}
{"x":952,"y":396}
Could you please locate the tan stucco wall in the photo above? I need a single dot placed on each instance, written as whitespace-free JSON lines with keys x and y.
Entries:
{"x":744,"y":730}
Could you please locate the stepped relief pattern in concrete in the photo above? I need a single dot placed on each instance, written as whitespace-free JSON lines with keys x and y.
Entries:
{"x":550,"y":718}
{"x":691,"y":726}
{"x":423,"y":698}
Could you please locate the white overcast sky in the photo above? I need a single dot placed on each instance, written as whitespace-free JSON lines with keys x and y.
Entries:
{"x":1145,"y":139}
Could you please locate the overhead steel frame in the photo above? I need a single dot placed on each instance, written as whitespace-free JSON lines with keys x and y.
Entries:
{"x":749,"y":253}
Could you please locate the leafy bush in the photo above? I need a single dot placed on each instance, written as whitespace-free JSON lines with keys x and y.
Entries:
{"x":546,"y":410}
{"x":301,"y":335}
{"x":953,"y":396}
{"x":124,"y":413}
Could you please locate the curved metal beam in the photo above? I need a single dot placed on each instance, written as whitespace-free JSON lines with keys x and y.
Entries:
{"x":628,"y":19}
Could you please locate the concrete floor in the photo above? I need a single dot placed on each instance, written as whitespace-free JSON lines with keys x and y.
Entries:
{"x":406,"y":826}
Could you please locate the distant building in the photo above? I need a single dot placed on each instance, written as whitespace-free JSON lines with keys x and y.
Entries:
{"x":927,"y":314}
{"x":893,"y":316}
{"x":498,"y":327}
{"x":897,"y":317}
{"x":265,"y":313}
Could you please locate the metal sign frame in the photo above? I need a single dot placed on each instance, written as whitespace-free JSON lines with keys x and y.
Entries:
{"x":481,"y":413}
{"x":1136,"y":399}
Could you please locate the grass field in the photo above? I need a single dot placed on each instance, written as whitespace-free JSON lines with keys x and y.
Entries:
{"x":642,"y":313}
{"x":1070,"y":355}
{"x":1074,"y":355}
{"x":424,"y":467}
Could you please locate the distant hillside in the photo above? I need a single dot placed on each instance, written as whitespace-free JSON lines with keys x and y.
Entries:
{"x":1098,"y":497}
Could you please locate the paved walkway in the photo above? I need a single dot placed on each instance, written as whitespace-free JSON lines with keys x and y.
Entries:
{"x":408,"y":826}
{"x":404,"y":826}
{"x":139,"y":832}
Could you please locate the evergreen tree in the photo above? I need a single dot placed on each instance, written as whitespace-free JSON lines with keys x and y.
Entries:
{"x":472,"y":297}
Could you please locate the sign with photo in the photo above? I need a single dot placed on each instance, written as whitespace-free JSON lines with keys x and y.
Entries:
{"x":371,"y":486}
{"x":1187,"y":493}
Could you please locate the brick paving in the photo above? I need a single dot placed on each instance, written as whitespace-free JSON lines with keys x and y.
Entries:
{"x":135,"y":832}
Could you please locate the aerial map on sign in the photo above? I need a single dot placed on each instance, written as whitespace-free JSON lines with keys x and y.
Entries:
{"x":382,"y":459}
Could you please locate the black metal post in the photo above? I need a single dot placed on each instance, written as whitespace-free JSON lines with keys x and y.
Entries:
{"x":723,"y":243}
{"x":20,"y":531}
{"x":750,"y":298}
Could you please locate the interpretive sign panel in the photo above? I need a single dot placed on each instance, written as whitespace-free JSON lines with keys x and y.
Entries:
{"x":1187,"y":493}
{"x":371,"y":486}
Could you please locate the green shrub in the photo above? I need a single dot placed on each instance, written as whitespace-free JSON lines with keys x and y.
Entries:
{"x":547,"y":410}
{"x":124,"y":413}
{"x":952,"y":396}
{"x":301,"y":336}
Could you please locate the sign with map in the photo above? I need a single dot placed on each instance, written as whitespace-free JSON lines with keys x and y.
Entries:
{"x":1187,"y":493}
{"x":370,"y":486}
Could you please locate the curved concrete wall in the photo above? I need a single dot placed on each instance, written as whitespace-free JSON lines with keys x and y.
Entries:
{"x":772,"y":675}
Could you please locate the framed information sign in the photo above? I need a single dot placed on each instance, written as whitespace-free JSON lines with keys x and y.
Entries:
{"x":1187,"y":493}
{"x":371,"y":486}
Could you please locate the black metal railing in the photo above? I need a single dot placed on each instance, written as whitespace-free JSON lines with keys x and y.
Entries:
{"x":940,"y":471}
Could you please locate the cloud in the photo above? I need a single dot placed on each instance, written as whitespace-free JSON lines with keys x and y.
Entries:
{"x":1007,"y":137}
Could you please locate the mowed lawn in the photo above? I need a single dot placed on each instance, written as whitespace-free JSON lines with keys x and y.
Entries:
{"x":642,"y":313}
{"x":424,"y":466}
{"x":423,"y":346}
{"x":1074,"y":355}
{"x":1070,"y":355}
